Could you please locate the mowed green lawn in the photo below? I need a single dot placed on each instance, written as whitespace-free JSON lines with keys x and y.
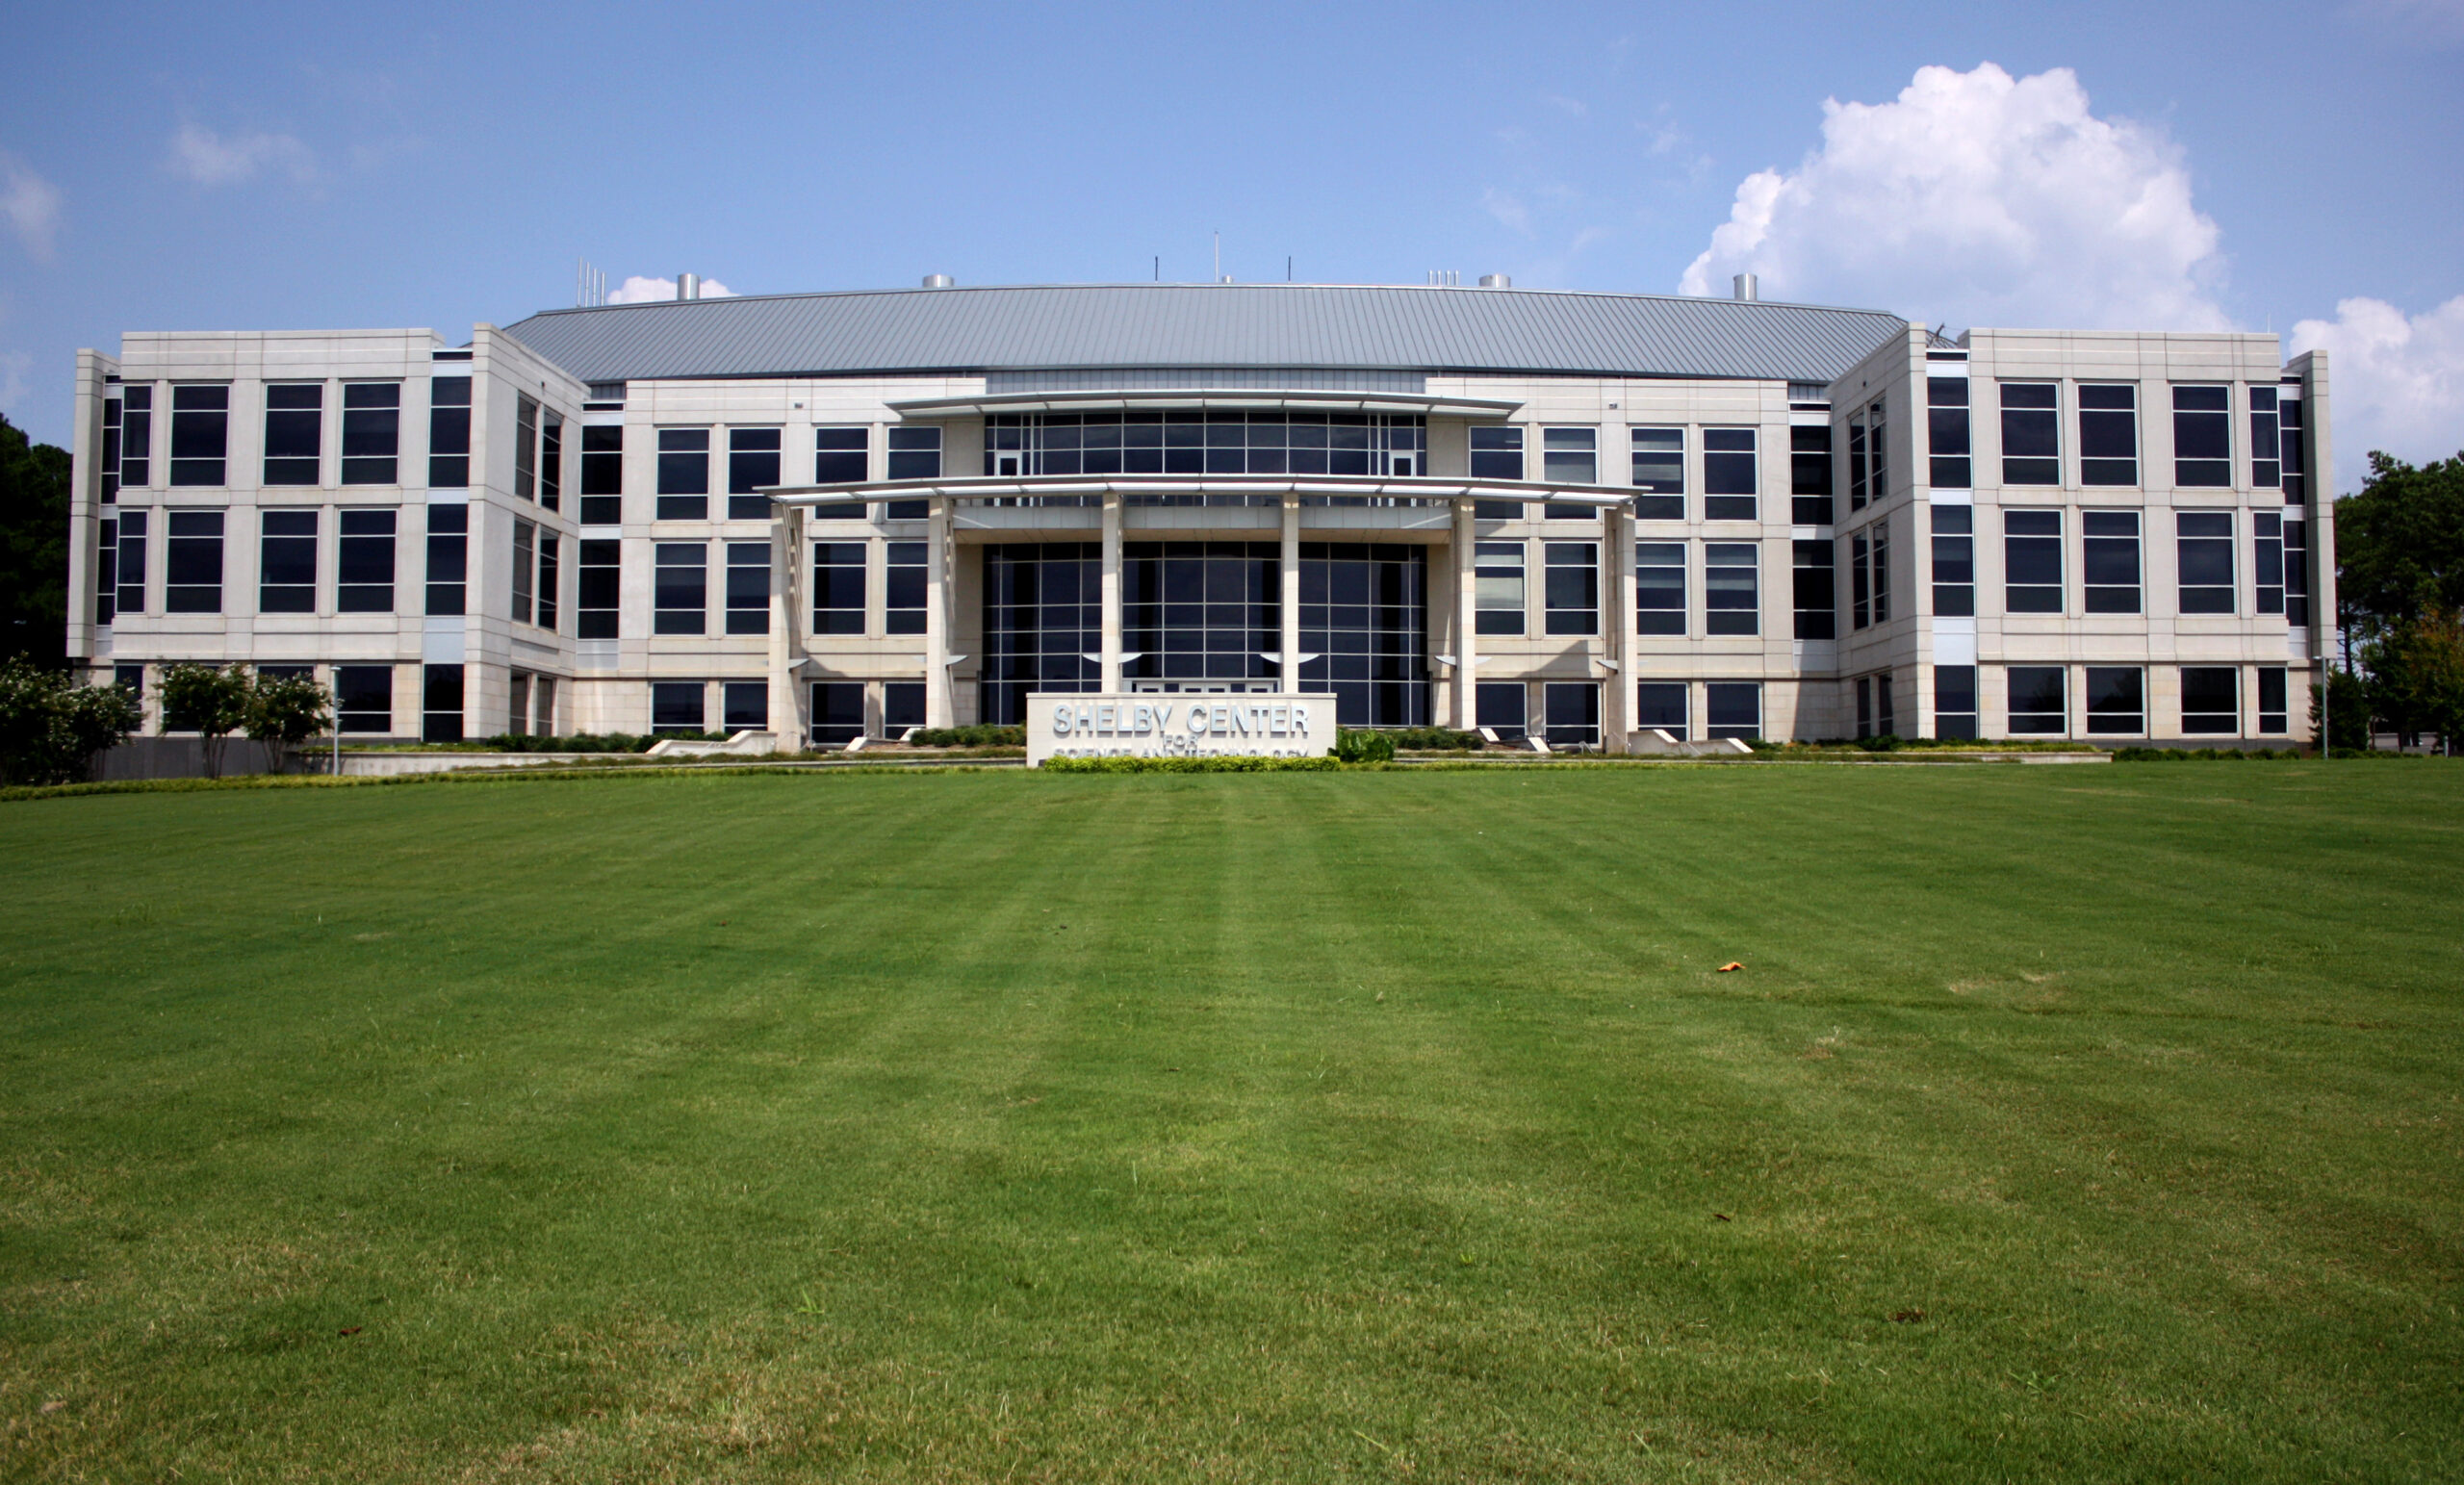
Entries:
{"x":2063,"y":1124}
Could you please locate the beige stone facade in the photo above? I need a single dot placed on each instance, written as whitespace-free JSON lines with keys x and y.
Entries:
{"x":589,"y":658}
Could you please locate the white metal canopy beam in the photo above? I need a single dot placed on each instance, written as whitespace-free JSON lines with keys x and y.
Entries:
{"x":1423,"y":488}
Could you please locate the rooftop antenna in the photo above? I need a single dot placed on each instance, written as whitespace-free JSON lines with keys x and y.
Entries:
{"x":1287,"y":268}
{"x":590,"y":285}
{"x":1159,"y":268}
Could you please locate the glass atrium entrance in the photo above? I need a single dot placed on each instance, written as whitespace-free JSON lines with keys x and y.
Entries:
{"x":1204,"y":616}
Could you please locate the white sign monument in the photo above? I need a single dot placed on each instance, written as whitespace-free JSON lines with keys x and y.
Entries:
{"x":1178,"y":724}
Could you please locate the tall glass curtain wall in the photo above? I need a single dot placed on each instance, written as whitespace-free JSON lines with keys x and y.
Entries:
{"x":1043,"y":616}
{"x":1203,"y":442}
{"x":1210,"y":613}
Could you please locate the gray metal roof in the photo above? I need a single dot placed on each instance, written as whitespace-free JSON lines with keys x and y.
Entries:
{"x":919,"y":331}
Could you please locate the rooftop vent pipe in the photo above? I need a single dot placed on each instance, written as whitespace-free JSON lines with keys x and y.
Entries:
{"x":688,"y":286}
{"x":1747,"y":289}
{"x":940,"y":281}
{"x":1496,"y":281}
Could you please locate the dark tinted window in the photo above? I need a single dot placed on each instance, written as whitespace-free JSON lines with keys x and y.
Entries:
{"x":1955,"y":701}
{"x":840,"y":457}
{"x":1732,"y":708}
{"x":193,"y":562}
{"x":753,"y":464}
{"x":681,"y":588}
{"x":295,"y":432}
{"x":441,"y":703}
{"x":287,"y":562}
{"x":2210,"y":700}
{"x":1571,"y":589}
{"x":1660,"y":587}
{"x":2037,"y":705}
{"x":684,"y":473}
{"x":748,"y":587}
{"x":598,"y":589}
{"x":371,"y":431}
{"x":449,"y":432}
{"x":364,"y":564}
{"x":1660,"y":704}
{"x":2117,"y":701}
{"x":2030,"y":436}
{"x":2032,"y":561}
{"x":1497,"y":453}
{"x":678,"y":706}
{"x":2205,"y":547}
{"x":839,"y":587}
{"x":2202,"y":436}
{"x":1809,"y":479}
{"x":1954,"y":561}
{"x":1731,"y":588}
{"x":1946,"y":432}
{"x":903,"y":589}
{"x":915,"y":453}
{"x":449,"y":559}
{"x":2108,"y":561}
{"x":603,"y":474}
{"x":364,"y":698}
{"x":1817,"y":597}
{"x":2109,"y":435}
{"x":744,"y":703}
{"x":200,"y":431}
{"x":1729,"y":478}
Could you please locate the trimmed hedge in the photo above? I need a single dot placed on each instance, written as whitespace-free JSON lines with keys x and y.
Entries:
{"x":1216,"y":766}
{"x":2186,"y":754}
{"x":982,"y":735}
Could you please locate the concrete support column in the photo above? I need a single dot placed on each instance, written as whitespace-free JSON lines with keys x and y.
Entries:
{"x":1110,"y":650}
{"x":940,"y":704}
{"x":1467,"y":621}
{"x":787,"y":708}
{"x":1289,"y":607}
{"x":1617,"y":702}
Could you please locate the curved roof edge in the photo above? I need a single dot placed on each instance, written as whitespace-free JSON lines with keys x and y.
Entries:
{"x":1445,"y":330}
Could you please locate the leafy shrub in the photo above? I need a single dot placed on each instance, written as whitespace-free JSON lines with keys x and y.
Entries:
{"x":282,"y":712}
{"x":982,"y":735}
{"x":211,"y":701}
{"x":51,"y":730}
{"x":1199,"y":765}
{"x":1353,"y":745}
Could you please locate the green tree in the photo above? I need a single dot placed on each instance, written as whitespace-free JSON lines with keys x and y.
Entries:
{"x":2417,"y":676}
{"x":2399,"y":545}
{"x":50,"y":729}
{"x":2346,"y":720}
{"x":34,"y":549}
{"x":284,"y":711}
{"x":209,"y":700}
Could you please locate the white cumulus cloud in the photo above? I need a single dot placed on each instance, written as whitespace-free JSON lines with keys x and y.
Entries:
{"x":2394,"y":381}
{"x":638,"y":290}
{"x":30,"y":204}
{"x":204,"y":158}
{"x":1979,"y":200}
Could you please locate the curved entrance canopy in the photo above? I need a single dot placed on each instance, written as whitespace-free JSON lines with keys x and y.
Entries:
{"x":1376,"y":487}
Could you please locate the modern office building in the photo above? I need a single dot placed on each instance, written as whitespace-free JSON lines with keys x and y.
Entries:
{"x":1586,"y":515}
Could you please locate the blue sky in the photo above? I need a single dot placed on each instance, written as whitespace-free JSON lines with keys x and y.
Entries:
{"x":253,"y":166}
